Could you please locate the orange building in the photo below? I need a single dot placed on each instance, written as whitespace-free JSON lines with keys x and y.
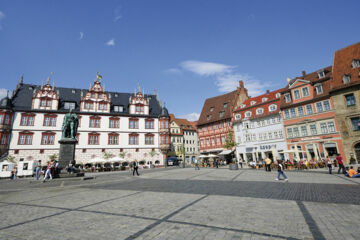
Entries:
{"x":308,"y":114}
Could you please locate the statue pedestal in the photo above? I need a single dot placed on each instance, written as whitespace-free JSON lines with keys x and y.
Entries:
{"x":67,"y":151}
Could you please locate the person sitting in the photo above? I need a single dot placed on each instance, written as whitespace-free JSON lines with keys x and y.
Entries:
{"x":346,"y":172}
{"x":352,"y":173}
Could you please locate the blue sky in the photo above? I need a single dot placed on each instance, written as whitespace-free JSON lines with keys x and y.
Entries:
{"x":187,"y":50}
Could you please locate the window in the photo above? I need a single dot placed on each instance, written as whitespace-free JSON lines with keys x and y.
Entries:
{"x":149,"y":139}
{"x":207,"y":142}
{"x":237,"y":116}
{"x":94,"y":122}
{"x":304,"y":131}
{"x":248,"y":114}
{"x":252,"y":102}
{"x":222,"y":114}
{"x":292,"y":112}
{"x":313,"y":129}
{"x":133,"y":139}
{"x":242,"y":105}
{"x":355,"y":63}
{"x":164,"y":139}
{"x":309,"y":109}
{"x":93,"y":139}
{"x":319,"y":107}
{"x":118,"y":108}
{"x":272,"y":107}
{"x":218,"y":140}
{"x":208,"y":117}
{"x":259,"y":111}
{"x":223,"y":139}
{"x":25,"y":138}
{"x":289,"y":132}
{"x":225,"y":105}
{"x":305,"y":91}
{"x":300,"y":111}
{"x":296,"y":94}
{"x":350,"y":100}
{"x":114,"y":123}
{"x":3,"y":139}
{"x":331,"y":127}
{"x":211,"y":109}
{"x":277,"y":95}
{"x":287,"y":97}
{"x":149,"y":124}
{"x":88,"y":105}
{"x":276,"y":135}
{"x":27,"y":120}
{"x":69,"y":105}
{"x":213,"y":141}
{"x":248,"y":137}
{"x":323,"y":128}
{"x":318,"y":88}
{"x":287,"y":113}
{"x":139,"y":109}
{"x":346,"y":78}
{"x":47,"y":138}
{"x":356,"y":123}
{"x":102,"y":106}
{"x":321,"y":74}
{"x":270,"y":135}
{"x":281,"y":134}
{"x":296,"y":132}
{"x":326,"y":105}
{"x":264,"y":99}
{"x":49,"y":121}
{"x":133,"y":123}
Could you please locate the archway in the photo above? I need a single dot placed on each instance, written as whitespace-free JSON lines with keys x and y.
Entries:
{"x":357,"y":151}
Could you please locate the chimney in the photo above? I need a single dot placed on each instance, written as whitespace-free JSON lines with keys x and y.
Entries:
{"x":241,"y":84}
{"x":303,"y":73}
{"x":267,"y":91}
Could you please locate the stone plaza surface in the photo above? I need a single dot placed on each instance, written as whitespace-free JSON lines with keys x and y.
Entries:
{"x":178,"y":203}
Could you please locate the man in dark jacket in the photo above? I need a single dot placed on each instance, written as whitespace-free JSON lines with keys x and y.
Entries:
{"x":136,"y":166}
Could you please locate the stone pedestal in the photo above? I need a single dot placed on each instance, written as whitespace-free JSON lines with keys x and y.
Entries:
{"x":67,"y":152}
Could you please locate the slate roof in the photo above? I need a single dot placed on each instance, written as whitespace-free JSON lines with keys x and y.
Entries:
{"x":22,"y":100}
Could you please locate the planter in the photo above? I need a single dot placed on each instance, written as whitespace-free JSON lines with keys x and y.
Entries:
{"x":233,"y":166}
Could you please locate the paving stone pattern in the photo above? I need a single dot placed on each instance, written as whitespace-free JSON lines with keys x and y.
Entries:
{"x":177,"y":203}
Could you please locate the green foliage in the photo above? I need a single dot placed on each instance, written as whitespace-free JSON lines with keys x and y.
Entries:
{"x":108,"y":155}
{"x":53,"y":157}
{"x":153,"y":153}
{"x":122,"y":154}
{"x":229,"y":141}
{"x":10,"y":158}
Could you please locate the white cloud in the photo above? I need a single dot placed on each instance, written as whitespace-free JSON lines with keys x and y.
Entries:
{"x":2,"y":16}
{"x":173,"y":71}
{"x":111,"y":42}
{"x":191,"y":116}
{"x":81,"y":35}
{"x":117,"y":13}
{"x":3,"y":93}
{"x":226,"y":77}
{"x":205,"y":68}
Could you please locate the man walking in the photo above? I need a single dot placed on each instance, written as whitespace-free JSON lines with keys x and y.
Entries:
{"x":281,"y":171}
{"x":268,"y":164}
{"x":340,"y":162}
{"x":196,"y":164}
{"x":38,"y":170}
{"x":136,"y":166}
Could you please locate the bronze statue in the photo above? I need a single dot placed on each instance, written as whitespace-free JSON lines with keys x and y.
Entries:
{"x":70,"y":125}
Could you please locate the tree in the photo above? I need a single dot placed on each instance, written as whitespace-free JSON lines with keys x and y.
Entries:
{"x":153,"y":153}
{"x":53,"y":157}
{"x":122,"y":154}
{"x":11,"y":158}
{"x":229,"y":141}
{"x":108,"y":155}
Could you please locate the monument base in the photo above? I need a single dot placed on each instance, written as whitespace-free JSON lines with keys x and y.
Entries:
{"x":67,"y":152}
{"x":70,"y":175}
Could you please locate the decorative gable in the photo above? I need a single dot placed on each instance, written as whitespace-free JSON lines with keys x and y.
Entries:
{"x":138,"y":104}
{"x":46,"y":98}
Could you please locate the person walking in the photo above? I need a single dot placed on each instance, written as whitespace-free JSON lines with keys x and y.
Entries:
{"x":48,"y":172}
{"x":340,"y":162}
{"x":281,"y":172}
{"x":196,"y":164}
{"x":268,"y":164}
{"x":38,"y":170}
{"x":136,"y":166}
{"x":329,"y":165}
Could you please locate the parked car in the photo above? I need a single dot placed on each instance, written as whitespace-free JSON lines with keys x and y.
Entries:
{"x":173,"y":161}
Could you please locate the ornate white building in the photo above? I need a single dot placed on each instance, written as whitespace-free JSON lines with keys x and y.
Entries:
{"x":132,"y":126}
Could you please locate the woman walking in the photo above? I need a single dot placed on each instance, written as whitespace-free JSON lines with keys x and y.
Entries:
{"x":48,"y":172}
{"x":281,"y":171}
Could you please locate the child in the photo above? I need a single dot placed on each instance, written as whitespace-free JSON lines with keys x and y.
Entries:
{"x":281,"y":171}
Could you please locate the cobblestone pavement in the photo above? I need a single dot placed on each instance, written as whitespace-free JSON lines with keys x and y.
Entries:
{"x":178,"y":203}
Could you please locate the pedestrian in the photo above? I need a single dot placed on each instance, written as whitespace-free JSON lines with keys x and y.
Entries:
{"x":281,"y":171}
{"x":216,"y":163}
{"x":196,"y":164}
{"x":268,"y":164}
{"x":241,"y":163}
{"x":57,"y":169}
{"x":136,"y":166}
{"x":48,"y":171}
{"x":340,"y":162}
{"x":38,"y":170}
{"x":14,"y":173}
{"x":329,"y":165}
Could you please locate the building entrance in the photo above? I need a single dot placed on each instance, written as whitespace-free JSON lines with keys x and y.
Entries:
{"x":357,"y":152}
{"x":331,"y":149}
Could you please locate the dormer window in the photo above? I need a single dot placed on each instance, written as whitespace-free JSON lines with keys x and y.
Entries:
{"x":116,"y":95}
{"x":297,"y":94}
{"x":319,"y":89}
{"x":272,"y":107}
{"x":355,"y":63}
{"x":278,"y":95}
{"x":259,"y":111}
{"x":237,"y":116}
{"x":222,"y":114}
{"x":248,"y":114}
{"x":264,"y":99}
{"x":346,"y":78}
{"x":252,"y":103}
{"x":287,"y":97}
{"x":69,"y":105}
{"x":321,"y":74}
{"x":211,"y":109}
{"x":305,"y":91}
{"x":225,"y":105}
{"x":118,"y":108}
{"x":208,"y":117}
{"x":242,"y":105}
{"x":73,"y":91}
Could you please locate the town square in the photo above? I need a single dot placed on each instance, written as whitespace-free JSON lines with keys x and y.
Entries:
{"x":175,"y":119}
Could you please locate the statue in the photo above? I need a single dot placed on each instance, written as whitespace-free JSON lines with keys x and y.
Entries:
{"x":70,"y":125}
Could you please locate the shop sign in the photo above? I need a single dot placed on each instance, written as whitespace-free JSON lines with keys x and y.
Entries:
{"x":267,"y":147}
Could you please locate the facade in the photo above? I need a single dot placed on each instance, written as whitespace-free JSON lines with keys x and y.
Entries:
{"x":345,"y":92}
{"x":258,"y":128}
{"x":308,"y":114}
{"x":132,"y":126}
{"x":215,"y":123}
{"x":184,"y":139}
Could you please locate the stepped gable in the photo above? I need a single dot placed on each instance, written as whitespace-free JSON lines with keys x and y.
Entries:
{"x":22,"y":100}
{"x":217,"y":103}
